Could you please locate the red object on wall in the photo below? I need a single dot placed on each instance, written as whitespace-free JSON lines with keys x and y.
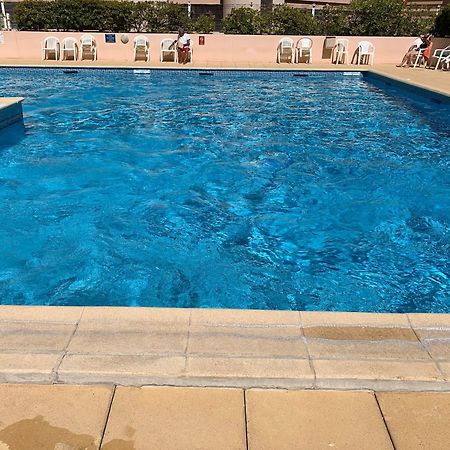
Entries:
{"x":201,"y":40}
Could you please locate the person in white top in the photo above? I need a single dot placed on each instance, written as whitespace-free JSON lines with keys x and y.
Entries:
{"x":183,"y":42}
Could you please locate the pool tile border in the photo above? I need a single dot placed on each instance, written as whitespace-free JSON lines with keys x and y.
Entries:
{"x":227,"y":348}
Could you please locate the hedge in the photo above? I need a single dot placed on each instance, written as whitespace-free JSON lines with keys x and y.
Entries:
{"x":106,"y":15}
{"x":360,"y":18}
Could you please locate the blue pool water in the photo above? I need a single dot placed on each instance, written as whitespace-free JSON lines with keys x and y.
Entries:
{"x":229,"y":190}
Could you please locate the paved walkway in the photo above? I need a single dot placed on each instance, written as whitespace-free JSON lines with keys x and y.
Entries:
{"x":63,"y":417}
{"x":226,"y":348}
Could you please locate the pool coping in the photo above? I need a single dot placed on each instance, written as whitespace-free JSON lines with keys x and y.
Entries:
{"x":10,"y":111}
{"x":225,"y":348}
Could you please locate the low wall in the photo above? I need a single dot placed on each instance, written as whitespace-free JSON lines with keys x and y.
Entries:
{"x":233,"y":49}
{"x":10,"y":111}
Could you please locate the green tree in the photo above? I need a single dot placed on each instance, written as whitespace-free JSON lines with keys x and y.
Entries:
{"x":243,"y":21}
{"x":442,"y":22}
{"x":34,"y":15}
{"x":287,"y":20}
{"x":204,"y":24}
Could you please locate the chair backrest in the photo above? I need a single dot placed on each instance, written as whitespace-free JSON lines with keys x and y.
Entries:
{"x":342,"y":44}
{"x":365,"y":47}
{"x":87,"y":39}
{"x":69,"y":43}
{"x":305,"y":43}
{"x":286,"y":43}
{"x":51,"y":42}
{"x":165,"y":44}
{"x":140,"y":41}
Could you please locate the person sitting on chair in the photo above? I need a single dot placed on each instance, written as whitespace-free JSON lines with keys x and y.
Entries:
{"x":420,"y":44}
{"x":183,"y":42}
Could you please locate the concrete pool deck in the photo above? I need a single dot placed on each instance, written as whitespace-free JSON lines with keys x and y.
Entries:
{"x":43,"y":417}
{"x":226,"y":348}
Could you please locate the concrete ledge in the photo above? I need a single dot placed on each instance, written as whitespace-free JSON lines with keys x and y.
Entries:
{"x":227,"y":348}
{"x":10,"y":111}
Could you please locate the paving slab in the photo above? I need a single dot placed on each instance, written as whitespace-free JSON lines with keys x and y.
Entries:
{"x":134,"y":370}
{"x":249,"y":372}
{"x":430,"y":320}
{"x":57,"y":314}
{"x":119,"y":315}
{"x":23,"y":337}
{"x":342,"y":344}
{"x":176,"y":419}
{"x":278,"y":420}
{"x":280,"y":342}
{"x":36,"y":417}
{"x":445,"y":369}
{"x":373,"y":374}
{"x":361,"y":319}
{"x":417,"y":420}
{"x":436,"y":341}
{"x":244,"y":317}
{"x":130,"y":338}
{"x":27,"y":368}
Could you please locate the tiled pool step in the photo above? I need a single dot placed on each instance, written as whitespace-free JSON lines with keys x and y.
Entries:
{"x":229,"y":348}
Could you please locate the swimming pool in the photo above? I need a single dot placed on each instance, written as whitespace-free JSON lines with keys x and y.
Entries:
{"x":319,"y":191}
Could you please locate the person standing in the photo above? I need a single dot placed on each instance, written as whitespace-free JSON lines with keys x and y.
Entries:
{"x":183,"y":43}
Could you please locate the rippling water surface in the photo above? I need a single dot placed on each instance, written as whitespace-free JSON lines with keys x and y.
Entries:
{"x":233,"y":190}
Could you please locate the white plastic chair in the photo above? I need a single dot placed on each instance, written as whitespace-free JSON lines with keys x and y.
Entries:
{"x":365,"y":53}
{"x":441,"y":54}
{"x":88,"y":46}
{"x":420,"y":58}
{"x":446,"y":63}
{"x":69,"y":46}
{"x":340,"y":52}
{"x":166,"y":51}
{"x":304,"y":48}
{"x":50,"y":45}
{"x":285,"y":48}
{"x":141,"y":45}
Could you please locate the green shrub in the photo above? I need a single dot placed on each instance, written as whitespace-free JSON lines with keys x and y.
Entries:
{"x":287,"y":20}
{"x":243,"y":21}
{"x":334,"y":20}
{"x":442,"y":22}
{"x":34,"y":15}
{"x":103,"y":15}
{"x":204,"y":24}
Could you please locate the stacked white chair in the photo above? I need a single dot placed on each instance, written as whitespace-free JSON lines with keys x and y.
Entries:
{"x":141,"y":46}
{"x":69,"y":47}
{"x":166,"y":51}
{"x":88,"y":47}
{"x":50,"y":46}
{"x":285,"y":49}
{"x":304,"y":49}
{"x":340,"y":52}
{"x":365,"y":53}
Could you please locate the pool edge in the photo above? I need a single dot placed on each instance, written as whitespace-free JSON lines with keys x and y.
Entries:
{"x":226,"y":348}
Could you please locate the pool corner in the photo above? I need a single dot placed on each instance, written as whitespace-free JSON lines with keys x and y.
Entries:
{"x":10,"y":111}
